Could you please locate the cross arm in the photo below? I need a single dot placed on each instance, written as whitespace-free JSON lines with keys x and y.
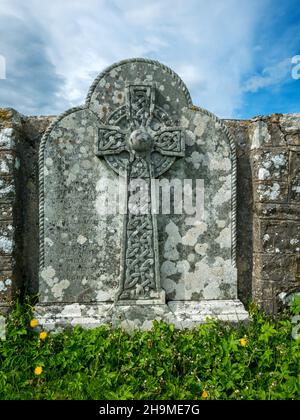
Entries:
{"x":170,"y":142}
{"x":111,"y":141}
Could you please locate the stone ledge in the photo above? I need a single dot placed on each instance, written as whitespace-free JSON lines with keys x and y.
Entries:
{"x":183,"y":314}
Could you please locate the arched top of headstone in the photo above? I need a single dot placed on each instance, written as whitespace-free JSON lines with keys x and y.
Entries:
{"x":106,"y":99}
{"x":118,"y":76}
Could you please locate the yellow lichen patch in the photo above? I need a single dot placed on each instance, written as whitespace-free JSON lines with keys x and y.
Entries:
{"x":5,"y":114}
{"x":6,"y":118}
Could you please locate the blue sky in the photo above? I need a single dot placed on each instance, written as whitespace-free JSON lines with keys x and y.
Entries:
{"x":234,"y":55}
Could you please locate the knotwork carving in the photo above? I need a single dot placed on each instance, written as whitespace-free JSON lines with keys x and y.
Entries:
{"x":148,"y":132}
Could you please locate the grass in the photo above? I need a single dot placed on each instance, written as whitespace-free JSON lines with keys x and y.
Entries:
{"x":213,"y":361}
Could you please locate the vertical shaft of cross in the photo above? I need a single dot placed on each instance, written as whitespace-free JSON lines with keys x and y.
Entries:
{"x":139,"y":271}
{"x":140,"y":259}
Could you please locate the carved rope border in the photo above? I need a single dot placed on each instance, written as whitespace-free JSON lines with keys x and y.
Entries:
{"x":181,"y":85}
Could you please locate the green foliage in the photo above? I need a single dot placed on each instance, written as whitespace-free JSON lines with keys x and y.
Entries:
{"x":159,"y":364}
{"x":295,"y":306}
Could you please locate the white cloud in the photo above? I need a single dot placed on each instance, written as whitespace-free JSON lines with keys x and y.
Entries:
{"x":274,"y":75}
{"x":208,"y":43}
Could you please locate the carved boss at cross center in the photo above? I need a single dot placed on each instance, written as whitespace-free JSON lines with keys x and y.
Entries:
{"x":140,"y":142}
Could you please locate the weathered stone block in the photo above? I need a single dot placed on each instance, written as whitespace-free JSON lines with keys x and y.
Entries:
{"x":7,"y":188}
{"x":270,"y":165}
{"x":265,"y":132}
{"x":293,"y":139}
{"x":294,"y":192}
{"x":282,"y":270}
{"x":7,"y":139}
{"x":278,"y":138}
{"x":270,"y":192}
{"x":6,"y":211}
{"x":6,"y":238}
{"x":6,"y":283}
{"x":290,"y":123}
{"x":277,"y":211}
{"x":277,"y":237}
{"x":7,"y":162}
{"x":259,"y":134}
{"x":6,"y":263}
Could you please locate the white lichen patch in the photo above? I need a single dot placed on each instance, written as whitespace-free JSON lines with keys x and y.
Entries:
{"x":86,"y":164}
{"x":224,"y":239}
{"x":201,"y":122}
{"x":260,"y":135}
{"x":263,"y":174}
{"x":294,"y":241}
{"x":6,"y":138}
{"x":71,"y":177}
{"x":183,"y":266}
{"x":270,"y":193}
{"x":47,"y":275}
{"x":279,"y":160}
{"x":6,"y":244}
{"x":59,"y":288}
{"x":221,"y":223}
{"x":184,"y":122}
{"x":192,"y":235}
{"x":266,"y":237}
{"x":73,"y":310}
{"x":49,"y":162}
{"x":296,"y":188}
{"x":118,"y":97}
{"x":81,"y":239}
{"x":191,"y":258}
{"x":168,"y":268}
{"x":49,"y":242}
{"x":103,"y":296}
{"x":223,"y":194}
{"x":174,"y":238}
{"x":201,"y":249}
{"x":189,"y":138}
{"x":214,"y":281}
{"x":218,"y":164}
{"x":197,"y":159}
{"x":6,"y":190}
{"x":4,"y":169}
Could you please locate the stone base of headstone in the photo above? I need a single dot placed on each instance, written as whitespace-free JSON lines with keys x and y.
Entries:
{"x":181,"y":314}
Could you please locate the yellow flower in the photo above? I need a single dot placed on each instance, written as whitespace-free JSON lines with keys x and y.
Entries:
{"x":38,"y":370}
{"x":243,"y":342}
{"x":204,"y":395}
{"x":43,"y":335}
{"x":34,"y":323}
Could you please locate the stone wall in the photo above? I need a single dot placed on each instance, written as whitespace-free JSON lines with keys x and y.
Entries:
{"x":10,"y":123}
{"x":275,"y":158}
{"x":268,"y":240}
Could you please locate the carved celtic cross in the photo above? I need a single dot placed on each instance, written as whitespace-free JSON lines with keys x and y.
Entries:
{"x":140,"y":141}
